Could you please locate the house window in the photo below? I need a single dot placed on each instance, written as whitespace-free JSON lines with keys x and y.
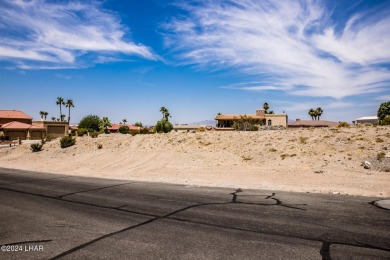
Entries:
{"x":269,"y":122}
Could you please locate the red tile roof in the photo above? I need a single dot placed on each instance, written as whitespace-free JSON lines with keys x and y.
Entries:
{"x":115,"y":127}
{"x":14,"y":114}
{"x":19,"y":125}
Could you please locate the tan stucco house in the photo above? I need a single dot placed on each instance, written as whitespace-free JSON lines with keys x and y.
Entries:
{"x":226,"y":121}
{"x":15,"y":124}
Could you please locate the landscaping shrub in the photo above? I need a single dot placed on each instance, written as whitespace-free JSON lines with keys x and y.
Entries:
{"x":124,"y":129}
{"x":386,"y":121}
{"x":163,"y":126}
{"x":93,"y":134}
{"x":343,"y":124}
{"x":144,"y":130}
{"x":37,"y":147}
{"x":81,"y":131}
{"x":133,"y":132}
{"x":90,"y":122}
{"x":254,"y":128}
{"x":67,"y":141}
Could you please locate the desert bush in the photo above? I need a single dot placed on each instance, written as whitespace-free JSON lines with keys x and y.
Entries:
{"x":343,"y":124}
{"x":144,"y":130}
{"x":50,"y":137}
{"x":303,"y":140}
{"x":99,"y":146}
{"x":380,"y":156}
{"x":124,"y":129}
{"x":201,"y":129}
{"x":67,"y":141}
{"x":254,"y":128}
{"x":163,"y":126}
{"x":247,"y":158}
{"x":37,"y":147}
{"x":90,"y":122}
{"x":272,"y":150}
{"x":81,"y":131}
{"x":283,"y":156}
{"x":133,"y":132}
{"x":386,"y":121}
{"x":94,"y":134}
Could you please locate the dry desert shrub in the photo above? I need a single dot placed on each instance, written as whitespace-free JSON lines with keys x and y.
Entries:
{"x":283,"y":156}
{"x":303,"y":140}
{"x":380,"y":156}
{"x":272,"y":150}
{"x":246,"y":158}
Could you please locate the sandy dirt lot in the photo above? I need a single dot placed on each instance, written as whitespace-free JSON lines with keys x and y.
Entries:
{"x":325,"y":160}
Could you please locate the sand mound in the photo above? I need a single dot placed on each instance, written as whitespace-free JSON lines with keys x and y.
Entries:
{"x":305,"y":160}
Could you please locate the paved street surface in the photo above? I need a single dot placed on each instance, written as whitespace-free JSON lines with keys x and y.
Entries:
{"x":45,"y":216}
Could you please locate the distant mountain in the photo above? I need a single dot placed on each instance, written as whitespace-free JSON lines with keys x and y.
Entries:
{"x":205,"y":122}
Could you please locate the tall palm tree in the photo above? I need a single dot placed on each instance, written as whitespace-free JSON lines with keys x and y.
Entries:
{"x":105,"y":123}
{"x":319,"y":112}
{"x":60,"y":102}
{"x":45,"y":114}
{"x":42,"y":113}
{"x":312,"y":113}
{"x":266,"y":107}
{"x":124,"y":121}
{"x":69,"y":104}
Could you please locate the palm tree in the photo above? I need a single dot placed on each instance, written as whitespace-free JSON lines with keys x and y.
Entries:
{"x":62,"y":117}
{"x":60,"y":102}
{"x":69,"y":104}
{"x":105,"y":123}
{"x":312,"y":113}
{"x":165,"y":113}
{"x":45,"y":114}
{"x":42,"y":113}
{"x":124,"y":121}
{"x":53,"y":118}
{"x":266,"y":107}
{"x":319,"y":112}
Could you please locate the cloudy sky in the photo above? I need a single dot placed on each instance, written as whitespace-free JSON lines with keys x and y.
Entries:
{"x":126,"y":59}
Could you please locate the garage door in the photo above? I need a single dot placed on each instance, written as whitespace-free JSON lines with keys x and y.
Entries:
{"x":36,"y":135}
{"x":16,"y":134}
{"x":57,"y":131}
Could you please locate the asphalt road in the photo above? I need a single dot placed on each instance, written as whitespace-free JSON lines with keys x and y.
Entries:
{"x":45,"y":216}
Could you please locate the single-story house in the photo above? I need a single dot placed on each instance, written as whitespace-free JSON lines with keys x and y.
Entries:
{"x":15,"y":130}
{"x":313,"y":123}
{"x":366,"y":120}
{"x":261,"y":118}
{"x":115,"y":127}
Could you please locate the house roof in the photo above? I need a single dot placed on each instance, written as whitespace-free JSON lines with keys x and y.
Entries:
{"x":115,"y":127}
{"x":313,"y":123}
{"x":20,"y":125}
{"x":233,"y":117}
{"x":14,"y":114}
{"x":368,"y":118}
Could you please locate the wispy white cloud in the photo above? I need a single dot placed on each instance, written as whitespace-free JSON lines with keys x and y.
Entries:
{"x":294,"y":45}
{"x":41,"y":34}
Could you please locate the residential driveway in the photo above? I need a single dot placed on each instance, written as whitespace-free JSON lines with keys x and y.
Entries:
{"x":46,"y":216}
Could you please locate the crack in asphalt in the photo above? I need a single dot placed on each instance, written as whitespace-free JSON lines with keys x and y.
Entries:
{"x":324,"y":251}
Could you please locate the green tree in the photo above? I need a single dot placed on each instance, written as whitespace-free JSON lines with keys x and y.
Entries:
{"x":104,"y":124}
{"x":69,"y":104}
{"x":124,"y":121}
{"x":383,"y":111}
{"x":138,"y":124}
{"x":60,"y":102}
{"x":90,"y":122}
{"x":165,"y":113}
{"x":163,"y":126}
{"x":319,"y":112}
{"x":63,"y":118}
{"x":124,"y":129}
{"x":53,"y":118}
{"x":45,"y":114}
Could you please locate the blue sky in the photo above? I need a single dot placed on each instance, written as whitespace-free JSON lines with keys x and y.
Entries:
{"x":126,"y":59}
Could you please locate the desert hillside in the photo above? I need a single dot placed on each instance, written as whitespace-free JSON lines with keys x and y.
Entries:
{"x":304,"y":160}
